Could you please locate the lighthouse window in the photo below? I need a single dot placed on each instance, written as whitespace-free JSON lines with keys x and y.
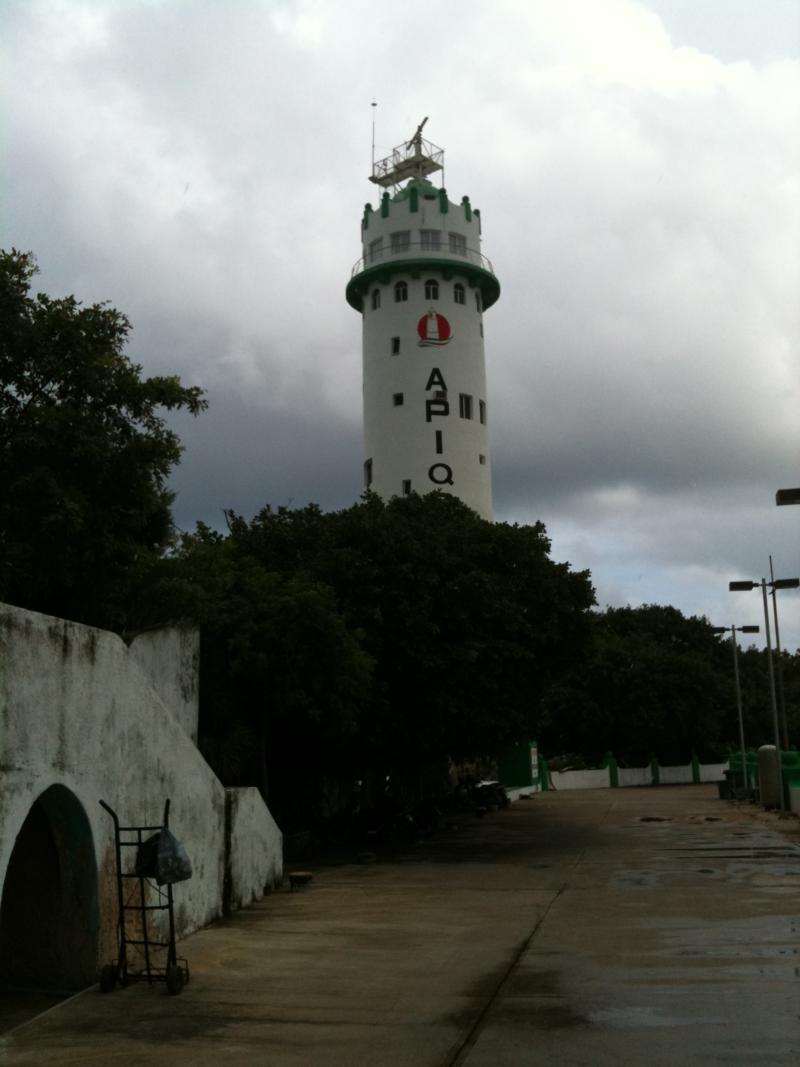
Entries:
{"x":431,"y":290}
{"x":478,"y":302}
{"x":375,"y":249}
{"x":465,"y":405}
{"x":458,"y":244}
{"x":430,"y":240}
{"x":482,"y":459}
{"x":376,"y":299}
{"x":401,"y":241}
{"x":367,"y":473}
{"x":400,"y":292}
{"x":395,"y":346}
{"x":482,"y":411}
{"x":459,"y":295}
{"x":406,"y":487}
{"x":397,"y":399}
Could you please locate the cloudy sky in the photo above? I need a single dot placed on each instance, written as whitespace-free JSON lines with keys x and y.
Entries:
{"x":202,"y":165}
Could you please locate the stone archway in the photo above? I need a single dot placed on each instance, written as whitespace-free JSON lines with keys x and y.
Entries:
{"x":49,"y":911}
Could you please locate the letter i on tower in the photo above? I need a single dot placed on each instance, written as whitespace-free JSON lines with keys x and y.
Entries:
{"x":422,"y":286}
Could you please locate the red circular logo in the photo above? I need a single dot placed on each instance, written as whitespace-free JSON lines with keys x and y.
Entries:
{"x":433,"y":329}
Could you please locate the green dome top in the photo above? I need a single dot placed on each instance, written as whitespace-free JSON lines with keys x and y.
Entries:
{"x":426,"y":189}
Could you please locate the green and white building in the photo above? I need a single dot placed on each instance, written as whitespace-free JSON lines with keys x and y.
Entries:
{"x":422,"y":287}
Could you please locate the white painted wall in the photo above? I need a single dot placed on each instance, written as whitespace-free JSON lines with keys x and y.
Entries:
{"x":170,"y":658}
{"x":401,"y":440}
{"x":713,"y":772}
{"x":630,"y":776}
{"x":675,"y":775}
{"x":589,"y":779}
{"x":254,"y":864}
{"x":77,"y":709}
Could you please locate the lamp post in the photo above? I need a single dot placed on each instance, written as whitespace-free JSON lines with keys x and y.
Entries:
{"x":733,"y":631}
{"x":776,"y":583}
{"x":780,"y":583}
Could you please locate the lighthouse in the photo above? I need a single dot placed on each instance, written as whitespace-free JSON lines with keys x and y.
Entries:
{"x":422,"y":286}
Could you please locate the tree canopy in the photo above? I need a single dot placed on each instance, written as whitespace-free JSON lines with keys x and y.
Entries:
{"x":656,"y":683}
{"x":84,"y":452}
{"x":387,"y":634}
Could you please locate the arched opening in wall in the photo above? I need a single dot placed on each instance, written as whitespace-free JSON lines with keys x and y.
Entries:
{"x":49,"y":911}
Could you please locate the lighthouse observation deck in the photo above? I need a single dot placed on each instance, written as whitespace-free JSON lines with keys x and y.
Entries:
{"x":417,"y":228}
{"x":415,"y":249}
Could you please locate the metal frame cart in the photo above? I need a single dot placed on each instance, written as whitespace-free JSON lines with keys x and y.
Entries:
{"x":174,"y":971}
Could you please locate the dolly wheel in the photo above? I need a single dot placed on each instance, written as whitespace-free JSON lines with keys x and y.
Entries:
{"x":174,"y":979}
{"x":108,"y":978}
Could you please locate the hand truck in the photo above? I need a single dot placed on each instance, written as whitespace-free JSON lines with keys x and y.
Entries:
{"x":174,"y":972}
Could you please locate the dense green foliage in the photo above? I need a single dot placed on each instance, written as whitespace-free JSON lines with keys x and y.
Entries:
{"x":658,"y":683}
{"x":391,"y":635}
{"x":84,"y":454}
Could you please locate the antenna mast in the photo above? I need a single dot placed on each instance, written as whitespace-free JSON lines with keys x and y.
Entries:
{"x":374,"y":107}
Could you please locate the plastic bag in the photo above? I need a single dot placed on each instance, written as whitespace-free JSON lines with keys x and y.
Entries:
{"x":164,"y":858}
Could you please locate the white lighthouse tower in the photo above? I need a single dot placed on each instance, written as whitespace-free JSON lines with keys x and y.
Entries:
{"x":422,"y":286}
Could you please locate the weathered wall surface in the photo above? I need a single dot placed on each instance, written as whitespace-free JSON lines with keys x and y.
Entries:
{"x":77,"y":710}
{"x":170,"y":658}
{"x":254,"y":849}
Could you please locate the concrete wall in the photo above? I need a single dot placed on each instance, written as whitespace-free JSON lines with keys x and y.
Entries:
{"x":681,"y":775}
{"x":589,"y":779}
{"x":600,"y":778}
{"x":78,"y":710}
{"x":631,"y":776}
{"x":713,"y":772}
{"x":253,"y":858}
{"x":170,"y":658}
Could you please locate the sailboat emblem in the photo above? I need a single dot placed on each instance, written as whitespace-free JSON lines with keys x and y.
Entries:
{"x":433,"y":330}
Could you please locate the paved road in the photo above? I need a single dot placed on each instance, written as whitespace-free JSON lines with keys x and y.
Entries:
{"x":605,"y":927}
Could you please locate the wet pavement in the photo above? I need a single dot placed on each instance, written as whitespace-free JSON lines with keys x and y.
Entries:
{"x":635,"y":926}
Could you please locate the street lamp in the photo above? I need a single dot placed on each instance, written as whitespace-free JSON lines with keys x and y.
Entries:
{"x":776,"y":583}
{"x":742,"y":630}
{"x":780,"y":583}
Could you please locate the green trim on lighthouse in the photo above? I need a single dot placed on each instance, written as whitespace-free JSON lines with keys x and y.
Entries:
{"x":360,"y":283}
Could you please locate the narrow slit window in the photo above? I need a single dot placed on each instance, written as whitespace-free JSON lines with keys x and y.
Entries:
{"x":478,"y":301}
{"x":367,"y":473}
{"x":400,"y":292}
{"x":431,"y":289}
{"x":376,"y":299}
{"x":397,"y":399}
{"x":465,"y":405}
{"x":459,"y":294}
{"x":395,"y":346}
{"x":406,"y":487}
{"x":482,"y":411}
{"x":482,"y":459}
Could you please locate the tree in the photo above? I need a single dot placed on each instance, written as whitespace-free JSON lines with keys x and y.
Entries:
{"x":84,"y":453}
{"x":382,"y":638}
{"x":654,"y":683}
